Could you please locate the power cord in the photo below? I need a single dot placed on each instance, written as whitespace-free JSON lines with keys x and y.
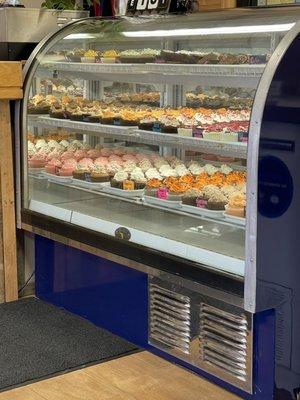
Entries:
{"x":26,"y":283}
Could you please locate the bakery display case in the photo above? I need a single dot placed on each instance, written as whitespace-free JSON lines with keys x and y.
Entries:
{"x":139,"y":142}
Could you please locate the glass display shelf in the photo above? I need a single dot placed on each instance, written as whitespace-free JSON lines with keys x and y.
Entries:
{"x":233,"y":75}
{"x":186,"y":237}
{"x":232,"y":149}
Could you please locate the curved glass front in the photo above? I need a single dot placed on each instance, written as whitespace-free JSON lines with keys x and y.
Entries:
{"x":143,"y":124}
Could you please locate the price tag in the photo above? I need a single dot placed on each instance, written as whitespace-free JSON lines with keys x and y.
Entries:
{"x":87,"y":176}
{"x":128,"y":185}
{"x":201,"y":203}
{"x":162,"y":193}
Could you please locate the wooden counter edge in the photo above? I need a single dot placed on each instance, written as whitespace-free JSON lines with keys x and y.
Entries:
{"x":10,"y":89}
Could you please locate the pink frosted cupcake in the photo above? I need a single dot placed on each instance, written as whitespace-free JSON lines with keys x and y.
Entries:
{"x":141,"y":157}
{"x":37,"y":161}
{"x":119,"y":152}
{"x":71,"y":162}
{"x":79,"y":154}
{"x":105,"y":152}
{"x":53,"y":166}
{"x":56,"y":153}
{"x":101,"y":161}
{"x":115,"y":159}
{"x":129,"y":157}
{"x":94,"y":153}
{"x":86,"y":163}
{"x":66,"y":155}
{"x":68,"y":168}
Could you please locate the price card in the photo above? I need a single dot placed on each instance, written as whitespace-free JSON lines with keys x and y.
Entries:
{"x":87,"y":176}
{"x":201,"y":203}
{"x":162,"y":193}
{"x":128,"y":185}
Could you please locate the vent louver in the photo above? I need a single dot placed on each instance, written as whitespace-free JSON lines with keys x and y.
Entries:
{"x":223,"y":341}
{"x":169,"y":319}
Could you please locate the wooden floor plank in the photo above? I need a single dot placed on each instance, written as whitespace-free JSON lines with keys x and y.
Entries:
{"x":140,"y":376}
{"x":76,"y":385}
{"x":22,"y":393}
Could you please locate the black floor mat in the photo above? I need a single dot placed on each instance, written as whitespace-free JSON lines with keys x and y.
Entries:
{"x":38,"y":340}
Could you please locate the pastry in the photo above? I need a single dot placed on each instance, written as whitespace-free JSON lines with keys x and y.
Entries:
{"x":89,"y":56}
{"x":236,"y":205}
{"x":118,"y":179}
{"x":190,"y":197}
{"x":100,"y":174}
{"x":216,"y":201}
{"x":109,"y":56}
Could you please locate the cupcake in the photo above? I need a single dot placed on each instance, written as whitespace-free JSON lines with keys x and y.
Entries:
{"x":75,"y":55}
{"x":107,"y":118}
{"x":138,"y":178}
{"x":236,"y":205}
{"x":99,"y":174}
{"x":57,"y":111}
{"x":80,"y":172}
{"x":89,"y":56}
{"x":109,"y":56}
{"x":118,"y":179}
{"x":190,"y":197}
{"x":53,"y":166}
{"x":37,"y":161}
{"x":225,"y":169}
{"x":170,"y":126}
{"x":217,"y":201}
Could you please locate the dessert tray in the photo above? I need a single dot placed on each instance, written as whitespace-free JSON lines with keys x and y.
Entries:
{"x":35,"y":171}
{"x":235,"y":220}
{"x":204,"y":212}
{"x":155,"y":201}
{"x":123,"y":193}
{"x":89,"y":185}
{"x":57,"y":178}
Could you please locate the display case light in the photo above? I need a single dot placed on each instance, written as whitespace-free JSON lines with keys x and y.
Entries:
{"x":75,"y":36}
{"x":224,"y":30}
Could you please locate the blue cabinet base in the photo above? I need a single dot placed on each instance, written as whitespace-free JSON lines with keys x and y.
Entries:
{"x":115,"y":297}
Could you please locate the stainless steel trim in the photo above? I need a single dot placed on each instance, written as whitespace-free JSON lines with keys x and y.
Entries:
{"x":252,"y":167}
{"x":18,"y":174}
{"x":217,"y":337}
{"x":173,"y":279}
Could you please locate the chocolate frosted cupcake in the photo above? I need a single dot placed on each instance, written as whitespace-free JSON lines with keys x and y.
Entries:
{"x":190,"y":197}
{"x":170,"y":126}
{"x":80,"y":174}
{"x":57,"y":111}
{"x":118,"y":179}
{"x":146,"y":124}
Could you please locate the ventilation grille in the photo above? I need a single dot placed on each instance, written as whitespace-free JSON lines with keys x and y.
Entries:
{"x":169,"y":319}
{"x":223,"y":341}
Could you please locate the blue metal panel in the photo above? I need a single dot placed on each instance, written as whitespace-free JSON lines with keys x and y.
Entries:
{"x":109,"y":295}
{"x":278,"y":227}
{"x":116,"y":298}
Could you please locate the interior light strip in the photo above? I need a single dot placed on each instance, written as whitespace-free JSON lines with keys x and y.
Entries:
{"x":212,"y":31}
